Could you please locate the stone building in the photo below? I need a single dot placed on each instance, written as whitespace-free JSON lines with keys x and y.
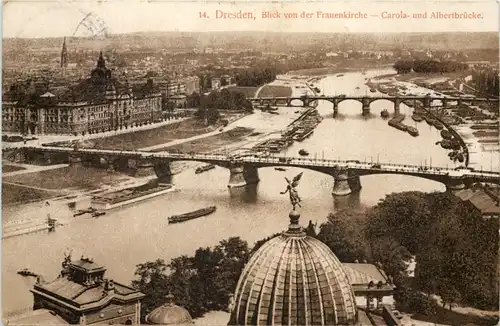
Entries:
{"x":97,"y":104}
{"x":81,"y":295}
{"x":295,"y":279}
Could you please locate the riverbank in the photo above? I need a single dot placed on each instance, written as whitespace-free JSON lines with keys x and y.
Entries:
{"x":341,"y":67}
{"x":480,"y":144}
{"x":73,"y":179}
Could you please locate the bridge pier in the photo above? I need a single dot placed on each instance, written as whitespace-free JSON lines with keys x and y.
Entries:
{"x":455,"y":184}
{"x":366,"y":108}
{"x":345,"y":183}
{"x":163,"y":172}
{"x":75,"y":160}
{"x":335,"y":108}
{"x":396,"y":108}
{"x":241,"y":175}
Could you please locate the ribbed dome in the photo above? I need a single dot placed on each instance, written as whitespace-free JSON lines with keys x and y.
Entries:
{"x":294,"y":279}
{"x":169,"y":314}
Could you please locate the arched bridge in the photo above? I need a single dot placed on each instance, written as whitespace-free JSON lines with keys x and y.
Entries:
{"x":244,"y":169}
{"x":307,"y":100}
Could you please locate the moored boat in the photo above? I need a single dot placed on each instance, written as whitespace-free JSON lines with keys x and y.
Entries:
{"x":438,"y":125}
{"x":192,"y":215}
{"x":416,"y":117}
{"x":98,"y":213}
{"x":384,"y":113}
{"x":373,"y":90}
{"x":280,"y":169}
{"x":26,"y":272}
{"x":303,"y":152}
{"x":412,"y":131}
{"x":204,"y":168}
{"x":446,"y":134}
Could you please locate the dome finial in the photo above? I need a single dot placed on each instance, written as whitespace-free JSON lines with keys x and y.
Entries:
{"x":170,"y":299}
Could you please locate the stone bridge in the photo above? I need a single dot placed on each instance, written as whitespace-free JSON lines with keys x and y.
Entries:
{"x":307,"y":100}
{"x":244,"y":169}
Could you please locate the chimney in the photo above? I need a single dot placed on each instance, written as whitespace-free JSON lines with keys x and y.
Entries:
{"x":109,"y":287}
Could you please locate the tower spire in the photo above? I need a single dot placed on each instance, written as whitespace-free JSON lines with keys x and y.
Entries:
{"x":64,"y":54}
{"x":100,"y":62}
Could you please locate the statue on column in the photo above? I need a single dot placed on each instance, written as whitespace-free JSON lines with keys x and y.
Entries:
{"x":291,"y":189}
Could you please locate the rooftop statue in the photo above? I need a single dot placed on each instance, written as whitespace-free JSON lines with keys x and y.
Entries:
{"x":291,"y":189}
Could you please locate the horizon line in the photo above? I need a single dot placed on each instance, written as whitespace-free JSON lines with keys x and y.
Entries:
{"x":247,"y":31}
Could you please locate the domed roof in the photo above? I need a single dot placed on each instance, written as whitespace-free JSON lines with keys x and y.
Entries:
{"x":294,"y":279}
{"x":169,"y":314}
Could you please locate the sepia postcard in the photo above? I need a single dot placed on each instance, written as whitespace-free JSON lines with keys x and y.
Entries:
{"x":250,"y":162}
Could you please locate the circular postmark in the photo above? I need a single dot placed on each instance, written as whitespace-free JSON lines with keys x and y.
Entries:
{"x":93,"y":25}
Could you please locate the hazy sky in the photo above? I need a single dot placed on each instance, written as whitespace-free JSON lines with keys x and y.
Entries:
{"x":44,"y":18}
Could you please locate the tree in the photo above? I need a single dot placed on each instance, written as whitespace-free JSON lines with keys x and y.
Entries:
{"x":344,"y":235}
{"x":449,"y":294}
{"x":153,"y":282}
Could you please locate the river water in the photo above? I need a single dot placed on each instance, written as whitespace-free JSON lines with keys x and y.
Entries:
{"x":135,"y":234}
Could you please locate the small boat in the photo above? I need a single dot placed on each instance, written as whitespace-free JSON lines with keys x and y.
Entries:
{"x":416,"y":117}
{"x":280,"y":169}
{"x":303,"y":152}
{"x":98,"y":213}
{"x":204,"y":168}
{"x":357,"y":87}
{"x":340,"y":75}
{"x":438,"y":125}
{"x":384,"y":113}
{"x":412,"y":131}
{"x":373,"y":90}
{"x":191,"y":215}
{"x":26,"y":272}
{"x":272,"y":112}
{"x":79,"y":212}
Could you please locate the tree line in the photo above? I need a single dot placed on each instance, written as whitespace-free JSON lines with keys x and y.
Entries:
{"x":255,"y":77}
{"x":486,"y":81}
{"x":455,"y":251}
{"x":428,"y":66}
{"x":224,"y":100}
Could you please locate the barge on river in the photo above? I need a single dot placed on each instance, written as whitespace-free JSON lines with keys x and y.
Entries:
{"x":114,"y":199}
{"x":204,"y":168}
{"x":26,"y":272}
{"x":192,"y":215}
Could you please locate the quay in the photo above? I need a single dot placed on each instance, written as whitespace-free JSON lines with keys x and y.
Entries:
{"x":27,"y":226}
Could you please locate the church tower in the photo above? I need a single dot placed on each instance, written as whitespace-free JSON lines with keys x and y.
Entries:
{"x":64,"y":56}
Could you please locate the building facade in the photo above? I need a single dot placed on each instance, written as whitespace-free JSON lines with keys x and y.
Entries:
{"x":81,"y":295}
{"x":97,"y":104}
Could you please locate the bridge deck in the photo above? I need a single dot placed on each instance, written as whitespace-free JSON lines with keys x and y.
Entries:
{"x":283,"y":161}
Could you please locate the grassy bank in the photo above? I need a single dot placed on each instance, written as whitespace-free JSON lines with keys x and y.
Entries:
{"x":345,"y":66}
{"x":151,"y":137}
{"x":414,"y":77}
{"x":6,"y":168}
{"x":71,"y":177}
{"x":275,"y":91}
{"x":212,"y":143}
{"x":248,"y":91}
{"x":13,"y":194}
